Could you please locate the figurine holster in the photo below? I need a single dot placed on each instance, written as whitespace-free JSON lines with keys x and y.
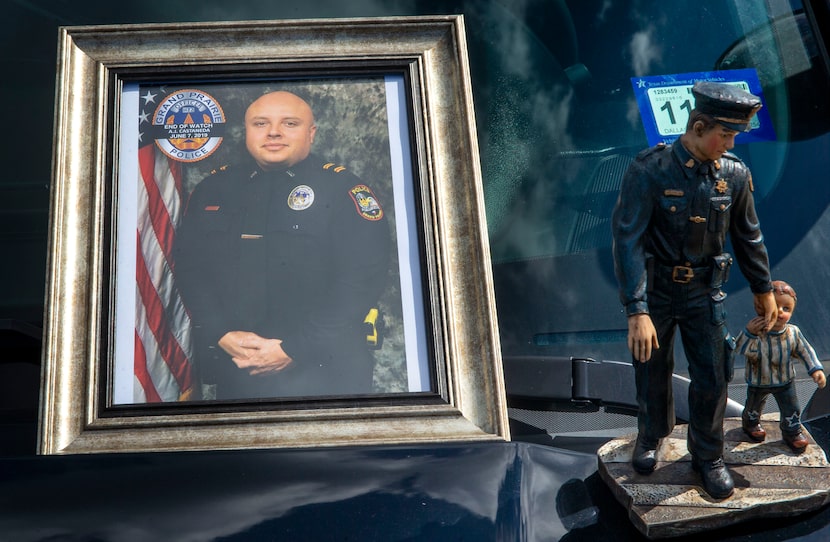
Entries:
{"x":720,"y":269}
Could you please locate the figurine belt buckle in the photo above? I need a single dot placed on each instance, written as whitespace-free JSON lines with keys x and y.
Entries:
{"x":682,"y":274}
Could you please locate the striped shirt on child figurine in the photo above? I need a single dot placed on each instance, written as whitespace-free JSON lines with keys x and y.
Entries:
{"x":770,"y":369}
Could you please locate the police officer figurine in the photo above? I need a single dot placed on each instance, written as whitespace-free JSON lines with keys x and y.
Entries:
{"x":278,"y":261}
{"x":677,"y":203}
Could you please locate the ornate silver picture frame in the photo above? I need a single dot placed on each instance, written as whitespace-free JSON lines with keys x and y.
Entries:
{"x":146,"y":113}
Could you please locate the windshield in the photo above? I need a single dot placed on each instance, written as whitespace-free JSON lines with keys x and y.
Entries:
{"x":558,"y":122}
{"x":559,"y":118}
{"x":562,"y":123}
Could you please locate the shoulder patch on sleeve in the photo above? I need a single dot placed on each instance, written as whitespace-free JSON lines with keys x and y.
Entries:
{"x":366,"y":203}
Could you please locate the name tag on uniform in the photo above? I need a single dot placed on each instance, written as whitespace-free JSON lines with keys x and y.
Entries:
{"x":673,"y":193}
{"x":250,"y":236}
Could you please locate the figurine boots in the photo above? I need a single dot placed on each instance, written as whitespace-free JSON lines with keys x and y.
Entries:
{"x":644,"y":458}
{"x":755,"y":432}
{"x":797,"y":442}
{"x":717,"y":481}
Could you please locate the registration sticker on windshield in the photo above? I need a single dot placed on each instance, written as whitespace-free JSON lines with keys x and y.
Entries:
{"x":665,"y":102}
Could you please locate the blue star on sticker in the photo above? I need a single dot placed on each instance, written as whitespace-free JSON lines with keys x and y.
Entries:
{"x":149,"y":98}
{"x":641,"y":83}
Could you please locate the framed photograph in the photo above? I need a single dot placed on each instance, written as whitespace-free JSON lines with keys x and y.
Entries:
{"x":267,"y":234}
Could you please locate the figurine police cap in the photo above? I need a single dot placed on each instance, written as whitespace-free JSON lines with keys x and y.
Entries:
{"x":729,"y":105}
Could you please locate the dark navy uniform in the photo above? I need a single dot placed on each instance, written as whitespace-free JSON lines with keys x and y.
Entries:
{"x":670,"y":225}
{"x":300,"y":254}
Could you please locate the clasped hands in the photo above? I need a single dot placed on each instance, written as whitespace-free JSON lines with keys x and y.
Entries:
{"x":254,"y":353}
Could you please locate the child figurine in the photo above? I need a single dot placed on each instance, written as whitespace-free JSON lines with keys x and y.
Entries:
{"x":770,"y":369}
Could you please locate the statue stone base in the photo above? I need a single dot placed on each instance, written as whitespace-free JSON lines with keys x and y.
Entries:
{"x":770,"y":481}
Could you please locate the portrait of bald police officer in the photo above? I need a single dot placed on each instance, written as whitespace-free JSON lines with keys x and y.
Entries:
{"x":279,"y":258}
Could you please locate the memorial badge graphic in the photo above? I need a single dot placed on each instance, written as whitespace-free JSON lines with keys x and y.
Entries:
{"x":188,"y":125}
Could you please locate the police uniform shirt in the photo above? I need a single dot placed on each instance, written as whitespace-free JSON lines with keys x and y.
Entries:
{"x":299,"y":255}
{"x":678,"y":210}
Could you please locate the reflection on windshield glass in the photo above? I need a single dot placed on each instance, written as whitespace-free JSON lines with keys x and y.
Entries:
{"x":559,"y":125}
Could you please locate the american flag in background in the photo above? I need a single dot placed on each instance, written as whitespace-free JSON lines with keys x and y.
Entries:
{"x":162,"y":332}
